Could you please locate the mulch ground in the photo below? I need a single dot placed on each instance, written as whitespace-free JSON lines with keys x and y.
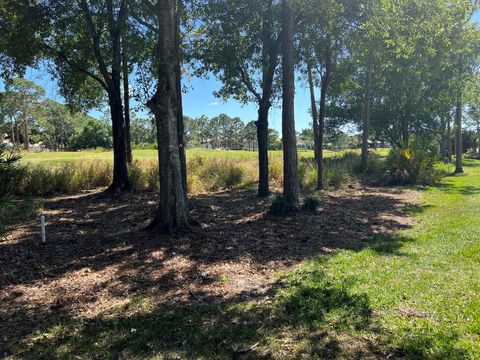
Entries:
{"x":97,"y":255}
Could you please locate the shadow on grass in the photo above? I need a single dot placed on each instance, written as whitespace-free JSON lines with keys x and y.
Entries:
{"x":417,"y":209}
{"x":302,"y":315}
{"x":466,"y":190}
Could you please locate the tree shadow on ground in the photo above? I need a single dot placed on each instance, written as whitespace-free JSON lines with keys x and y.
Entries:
{"x":97,"y":258}
{"x":295,"y":318}
{"x":465,"y":190}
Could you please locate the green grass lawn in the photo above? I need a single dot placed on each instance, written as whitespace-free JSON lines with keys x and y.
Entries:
{"x":426,"y":288}
{"x":415,"y":294}
{"x":142,"y":154}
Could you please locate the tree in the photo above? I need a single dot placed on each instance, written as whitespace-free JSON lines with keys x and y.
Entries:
{"x":95,"y":134}
{"x":291,"y":188}
{"x":250,"y":135}
{"x":60,"y":126}
{"x":238,"y":41}
{"x":83,"y":39}
{"x":142,"y":130}
{"x":229,"y":130}
{"x":274,"y":142}
{"x":172,"y":213}
{"x":26,"y":98}
{"x":323,"y":30}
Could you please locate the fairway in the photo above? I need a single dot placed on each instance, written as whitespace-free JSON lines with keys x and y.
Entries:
{"x":86,"y":155}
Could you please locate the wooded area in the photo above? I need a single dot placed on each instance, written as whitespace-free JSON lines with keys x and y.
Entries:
{"x":160,"y":224}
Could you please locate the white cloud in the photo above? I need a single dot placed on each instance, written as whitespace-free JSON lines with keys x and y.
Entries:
{"x":214,"y":104}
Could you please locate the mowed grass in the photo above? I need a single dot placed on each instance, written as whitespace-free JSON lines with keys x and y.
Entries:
{"x":411,"y":295}
{"x":52,"y":157}
{"x":424,"y":283}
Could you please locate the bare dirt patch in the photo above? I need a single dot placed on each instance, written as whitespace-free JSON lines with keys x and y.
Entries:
{"x":98,"y":257}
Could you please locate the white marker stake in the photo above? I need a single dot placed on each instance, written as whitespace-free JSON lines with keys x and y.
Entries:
{"x":43,"y":233}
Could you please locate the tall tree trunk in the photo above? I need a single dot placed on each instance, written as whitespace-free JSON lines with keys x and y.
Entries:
{"x":13,"y":133}
{"x":443,"y":141}
{"x":313,"y":106}
{"x":270,"y":61}
{"x":120,"y":180}
{"x":458,"y":138}
{"x":172,"y":211}
{"x":323,"y":107}
{"x":17,"y":134}
{"x":291,"y":188}
{"x":126,"y":102}
{"x":478,"y":138}
{"x":449,"y":140}
{"x":366,"y":112}
{"x":262,"y":138}
{"x":26,"y":138}
{"x":180,"y":122}
{"x":112,"y":85}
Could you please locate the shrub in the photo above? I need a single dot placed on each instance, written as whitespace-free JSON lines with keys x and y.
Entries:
{"x":375,"y":165}
{"x":336,"y":175}
{"x":275,"y":169}
{"x":11,"y":173}
{"x":65,"y":177}
{"x":221,"y":175}
{"x":311,"y":203}
{"x":414,"y":164}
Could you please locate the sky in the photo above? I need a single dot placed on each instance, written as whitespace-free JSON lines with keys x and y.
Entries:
{"x":199,"y":99}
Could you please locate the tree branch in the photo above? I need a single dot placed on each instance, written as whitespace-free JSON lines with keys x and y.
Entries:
{"x":95,"y":42}
{"x":248,"y":83}
{"x":75,"y":65}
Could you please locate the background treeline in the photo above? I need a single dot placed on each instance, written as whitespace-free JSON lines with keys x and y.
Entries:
{"x":30,"y":121}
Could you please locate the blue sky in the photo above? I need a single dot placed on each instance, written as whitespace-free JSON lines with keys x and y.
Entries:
{"x":199,"y":99}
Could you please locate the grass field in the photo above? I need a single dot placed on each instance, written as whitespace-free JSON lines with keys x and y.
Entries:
{"x":414,"y":294}
{"x":144,"y":154}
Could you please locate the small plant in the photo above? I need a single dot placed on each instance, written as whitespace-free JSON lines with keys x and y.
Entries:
{"x":336,"y":175}
{"x":311,"y":203}
{"x":10,"y":171}
{"x":221,"y":175}
{"x":275,"y":170}
{"x":223,"y":279}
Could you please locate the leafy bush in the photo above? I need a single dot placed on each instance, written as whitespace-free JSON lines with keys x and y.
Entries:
{"x":337,"y":171}
{"x":221,"y":175}
{"x":414,"y":164}
{"x":95,"y":134}
{"x":336,"y":175}
{"x":143,"y":175}
{"x":10,"y":171}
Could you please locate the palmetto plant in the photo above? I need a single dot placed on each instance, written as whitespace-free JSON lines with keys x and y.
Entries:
{"x":10,"y":173}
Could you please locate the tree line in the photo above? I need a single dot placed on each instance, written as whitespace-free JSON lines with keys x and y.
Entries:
{"x":27,"y":117}
{"x":399,"y":70}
